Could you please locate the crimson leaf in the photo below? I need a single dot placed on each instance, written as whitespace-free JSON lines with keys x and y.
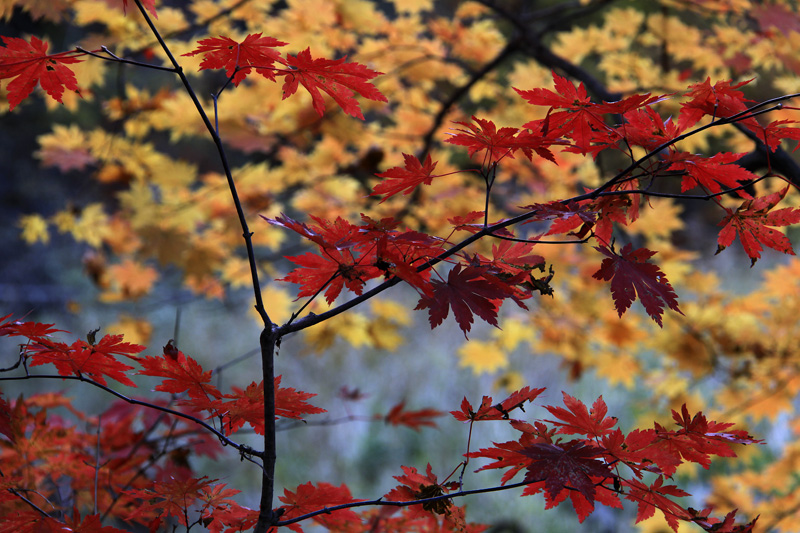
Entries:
{"x":751,"y":222}
{"x":467,"y":291}
{"x":340,"y":80}
{"x":566,"y":466}
{"x":406,"y":179}
{"x":631,"y":275}
{"x":224,"y":52}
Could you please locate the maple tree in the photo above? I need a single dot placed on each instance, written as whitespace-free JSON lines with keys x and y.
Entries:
{"x":597,"y":152}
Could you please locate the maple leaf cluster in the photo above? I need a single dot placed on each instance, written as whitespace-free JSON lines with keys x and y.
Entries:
{"x":580,"y":125}
{"x":29,"y":64}
{"x":337,"y":78}
{"x":181,"y":375}
{"x":351,"y":255}
{"x":588,"y":469}
{"x":133,"y":435}
{"x":132,"y":431}
{"x":592,"y":469}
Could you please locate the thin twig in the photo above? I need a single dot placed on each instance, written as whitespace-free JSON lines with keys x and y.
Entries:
{"x":116,"y":59}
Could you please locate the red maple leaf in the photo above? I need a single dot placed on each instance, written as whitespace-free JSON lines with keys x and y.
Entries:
{"x":308,"y":498}
{"x":485,"y":137}
{"x":224,"y":52}
{"x":467,"y":290}
{"x":632,"y":275}
{"x":32,"y":330}
{"x":486,"y":411}
{"x":168,"y":498}
{"x":610,"y":209}
{"x":182,"y":375}
{"x":655,"y":497}
{"x":710,"y":172}
{"x":580,"y":421}
{"x":698,"y":438}
{"x":726,"y":525}
{"x":581,"y":119}
{"x":291,"y":403}
{"x":398,"y":253}
{"x":773,"y":133}
{"x":646,"y":128}
{"x":498,"y":411}
{"x":111,"y":345}
{"x":751,"y":223}
{"x":502,"y":455}
{"x":517,"y":399}
{"x":565,"y":217}
{"x":247,"y":406}
{"x":467,"y":222}
{"x":352,"y":255}
{"x":509,"y":257}
{"x":571,"y":465}
{"x":89,"y":524}
{"x":340,"y":80}
{"x":636,"y":450}
{"x":397,"y":416}
{"x":719,"y":432}
{"x":338,"y":234}
{"x":333,"y":269}
{"x":410,"y":483}
{"x":406,"y":179}
{"x":81,"y":359}
{"x":149,"y":4}
{"x":30,"y":65}
{"x":6,"y":424}
{"x":719,"y":100}
{"x":416,"y":486}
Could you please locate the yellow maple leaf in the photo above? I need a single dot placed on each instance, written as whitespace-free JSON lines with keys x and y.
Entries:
{"x":135,"y":330}
{"x":659,"y":217}
{"x":89,"y":224}
{"x":356,"y":330}
{"x":386,"y":317}
{"x":514,"y":332}
{"x":413,"y":6}
{"x":277,"y":302}
{"x":482,"y":357}
{"x":34,"y":229}
{"x":384,"y":334}
{"x":334,"y":197}
{"x":352,"y":327}
{"x":509,"y":382}
{"x":657,"y":524}
{"x":236,"y":271}
{"x":391,"y":310}
{"x":52,"y":10}
{"x":619,"y":367}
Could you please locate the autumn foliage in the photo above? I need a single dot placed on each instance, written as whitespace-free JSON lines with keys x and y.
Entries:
{"x":503,"y":183}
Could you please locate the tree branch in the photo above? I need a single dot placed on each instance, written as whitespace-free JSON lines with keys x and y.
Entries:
{"x":246,"y":233}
